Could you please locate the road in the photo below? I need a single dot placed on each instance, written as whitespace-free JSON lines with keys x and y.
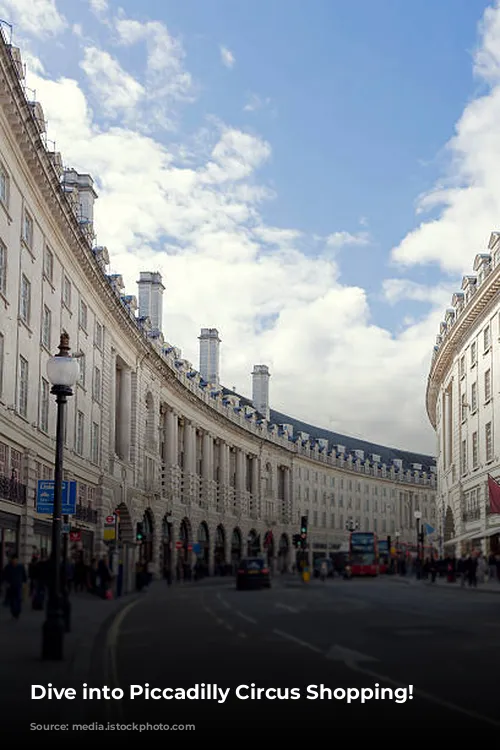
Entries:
{"x":341,"y":634}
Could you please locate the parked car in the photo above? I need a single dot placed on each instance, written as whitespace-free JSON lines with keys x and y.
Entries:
{"x":253,"y":573}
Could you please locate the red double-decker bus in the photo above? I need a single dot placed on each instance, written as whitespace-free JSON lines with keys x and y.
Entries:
{"x":384,"y":556}
{"x":363,"y":553}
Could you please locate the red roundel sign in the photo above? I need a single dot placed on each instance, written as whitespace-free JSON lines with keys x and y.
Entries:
{"x":110,"y":519}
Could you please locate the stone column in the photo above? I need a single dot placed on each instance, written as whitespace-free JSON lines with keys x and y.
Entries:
{"x":255,"y":482}
{"x":240,"y":470}
{"x":125,"y":409}
{"x":286,"y":496}
{"x":112,"y":404}
{"x":223,"y":463}
{"x":206,"y":457}
{"x":189,"y":448}
{"x":171,"y":438}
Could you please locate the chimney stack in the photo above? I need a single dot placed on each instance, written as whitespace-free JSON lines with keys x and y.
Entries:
{"x":209,"y":355}
{"x":151,"y":298}
{"x":260,"y":389}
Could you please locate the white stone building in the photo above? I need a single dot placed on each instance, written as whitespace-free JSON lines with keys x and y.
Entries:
{"x":464,"y":407}
{"x":147,"y":435}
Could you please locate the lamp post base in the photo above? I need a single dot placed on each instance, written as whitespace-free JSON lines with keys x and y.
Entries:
{"x":67,"y":613}
{"x":53,"y":633}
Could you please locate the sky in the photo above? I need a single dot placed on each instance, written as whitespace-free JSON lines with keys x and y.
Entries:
{"x":311,"y":179}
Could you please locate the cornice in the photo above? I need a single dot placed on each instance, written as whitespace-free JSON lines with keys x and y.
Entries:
{"x":477,"y":308}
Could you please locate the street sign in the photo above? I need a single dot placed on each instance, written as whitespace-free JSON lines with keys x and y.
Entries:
{"x":75,"y":536}
{"x":65,"y":528}
{"x":196,"y":548}
{"x":178,"y":545}
{"x":190,"y":547}
{"x":45,"y":497}
{"x":109,"y":534}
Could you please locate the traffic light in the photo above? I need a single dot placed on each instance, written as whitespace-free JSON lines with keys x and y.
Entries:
{"x":139,"y":532}
{"x":303,"y":526}
{"x":297,"y":540}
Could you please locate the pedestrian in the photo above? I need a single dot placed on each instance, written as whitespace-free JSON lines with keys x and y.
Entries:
{"x":15,"y":577}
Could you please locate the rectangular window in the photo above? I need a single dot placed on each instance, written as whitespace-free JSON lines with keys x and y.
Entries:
{"x":1,"y":361}
{"x":463,"y":457}
{"x":83,"y":371}
{"x":462,"y":366}
{"x":48,"y":264}
{"x":23,"y":386}
{"x":44,"y":405}
{"x":487,"y":338}
{"x":488,"y":439}
{"x":487,"y":385}
{"x":80,"y":427}
{"x":3,"y":268}
{"x":4,"y":185}
{"x":95,"y":442}
{"x":25,"y":300}
{"x":475,"y":456}
{"x":83,"y":315}
{"x":463,"y":407}
{"x":96,"y":388}
{"x":473,"y":397}
{"x":98,"y":335}
{"x":28,"y":230}
{"x":473,"y":354}
{"x":46,"y":327}
{"x":67,"y":292}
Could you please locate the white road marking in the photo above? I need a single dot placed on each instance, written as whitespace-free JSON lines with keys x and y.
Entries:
{"x":223,"y":602}
{"x":228,"y":626}
{"x":347,"y":656}
{"x":298,"y":641}
{"x":287,"y":607}
{"x":111,"y":666}
{"x":246,"y":617}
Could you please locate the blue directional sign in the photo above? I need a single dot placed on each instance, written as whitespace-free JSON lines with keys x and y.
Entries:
{"x":45,"y":497}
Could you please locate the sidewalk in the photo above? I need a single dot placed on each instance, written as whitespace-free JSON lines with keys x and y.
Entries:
{"x":489,"y":587}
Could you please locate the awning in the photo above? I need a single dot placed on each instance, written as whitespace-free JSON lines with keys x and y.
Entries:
{"x":477,"y":534}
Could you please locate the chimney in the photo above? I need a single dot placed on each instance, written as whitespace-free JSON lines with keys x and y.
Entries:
{"x":260,"y":389}
{"x":151,"y":298}
{"x":209,"y":355}
{"x":84,"y":185}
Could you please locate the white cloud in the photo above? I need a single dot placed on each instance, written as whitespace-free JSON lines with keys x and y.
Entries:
{"x":38,"y":18}
{"x":195,"y":214}
{"x":116,"y":89}
{"x":468,"y":198}
{"x":255,"y":102}
{"x":99,"y":7}
{"x":227,"y":57}
{"x":337,"y":240}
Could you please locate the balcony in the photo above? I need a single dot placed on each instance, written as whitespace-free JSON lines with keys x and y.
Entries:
{"x":12,"y":490}
{"x":89,"y":515}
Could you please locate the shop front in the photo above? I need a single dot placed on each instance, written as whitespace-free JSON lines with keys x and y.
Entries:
{"x":9,"y":536}
{"x":42,"y":542}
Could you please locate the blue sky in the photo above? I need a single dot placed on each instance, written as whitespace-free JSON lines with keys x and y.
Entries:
{"x":342,"y":113}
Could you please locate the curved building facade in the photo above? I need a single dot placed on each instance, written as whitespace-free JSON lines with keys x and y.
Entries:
{"x":463,"y":404}
{"x":191,"y":469}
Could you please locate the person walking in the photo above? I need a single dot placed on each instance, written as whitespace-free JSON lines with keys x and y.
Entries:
{"x":14,"y":575}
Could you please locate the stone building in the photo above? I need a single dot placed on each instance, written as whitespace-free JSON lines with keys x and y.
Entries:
{"x":199,"y":470}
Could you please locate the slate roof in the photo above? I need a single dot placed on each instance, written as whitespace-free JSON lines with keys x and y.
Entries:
{"x":351,"y":444}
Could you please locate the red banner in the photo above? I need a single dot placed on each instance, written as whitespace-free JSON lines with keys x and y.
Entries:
{"x":494,"y":493}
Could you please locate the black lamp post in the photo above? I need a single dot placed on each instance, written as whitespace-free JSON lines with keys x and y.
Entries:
{"x":62,"y":371}
{"x":418,"y":516}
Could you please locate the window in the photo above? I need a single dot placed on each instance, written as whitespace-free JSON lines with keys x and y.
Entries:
{"x":4,"y":185}
{"x":487,"y":385}
{"x":28,"y":230}
{"x":23,"y":386}
{"x":99,"y":337}
{"x":95,"y":442}
{"x":486,"y":338}
{"x":83,"y":373}
{"x":3,"y":268}
{"x":44,"y":405}
{"x":48,"y":264}
{"x":83,"y":315}
{"x":463,"y":407}
{"x":1,"y":361}
{"x":46,"y":326}
{"x":67,"y":292}
{"x":462,"y":366}
{"x":463,"y":457}
{"x":96,"y":387}
{"x":475,"y":457}
{"x":473,"y":354}
{"x":25,"y":300}
{"x":473,"y":397}
{"x":488,"y":439}
{"x":80,"y":426}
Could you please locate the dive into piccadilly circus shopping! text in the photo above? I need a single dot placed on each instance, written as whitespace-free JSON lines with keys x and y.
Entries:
{"x":212,"y":692}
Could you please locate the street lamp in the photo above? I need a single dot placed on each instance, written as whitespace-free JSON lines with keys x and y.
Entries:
{"x":62,"y":372}
{"x":418,"y":515}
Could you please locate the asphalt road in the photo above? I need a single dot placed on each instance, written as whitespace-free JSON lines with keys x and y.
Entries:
{"x":341,"y":634}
